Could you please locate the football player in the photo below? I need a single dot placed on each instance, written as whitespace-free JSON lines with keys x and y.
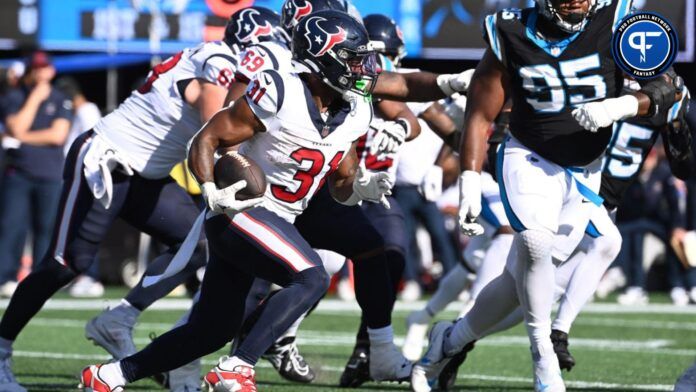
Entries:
{"x":578,"y":277}
{"x":256,"y":238}
{"x":121,"y":169}
{"x":112,"y":329}
{"x":549,"y":170}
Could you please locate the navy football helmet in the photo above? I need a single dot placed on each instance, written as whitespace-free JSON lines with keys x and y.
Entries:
{"x":335,"y":46}
{"x":295,"y":10}
{"x":386,"y":36}
{"x":573,"y":23}
{"x":253,"y":25}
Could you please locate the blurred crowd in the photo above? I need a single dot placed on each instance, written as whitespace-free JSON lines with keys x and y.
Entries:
{"x":41,"y":115}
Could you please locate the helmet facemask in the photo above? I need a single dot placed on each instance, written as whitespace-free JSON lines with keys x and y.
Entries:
{"x":572,"y":23}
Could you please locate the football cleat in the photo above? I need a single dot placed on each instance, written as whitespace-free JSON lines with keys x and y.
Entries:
{"x":286,"y":359}
{"x":388,"y":364}
{"x":8,"y":382}
{"x":448,"y":376}
{"x":560,"y":347}
{"x":357,"y":370}
{"x":547,"y":375}
{"x":417,"y":326}
{"x":113,"y":332}
{"x":238,"y":379}
{"x":427,"y":370}
{"x":92,"y":381}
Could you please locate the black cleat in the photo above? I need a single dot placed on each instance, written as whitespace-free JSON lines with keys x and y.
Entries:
{"x":560,"y":346}
{"x":357,"y":370}
{"x":448,"y":375}
{"x":286,"y":359}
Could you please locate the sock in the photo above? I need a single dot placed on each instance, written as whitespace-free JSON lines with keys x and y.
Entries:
{"x":449,"y":289}
{"x":493,"y":262}
{"x":292,"y":331}
{"x":535,"y":287}
{"x":233,"y":362}
{"x":381,"y":336}
{"x":112,"y":374}
{"x":5,"y":347}
{"x":459,"y":336}
{"x":586,"y":276}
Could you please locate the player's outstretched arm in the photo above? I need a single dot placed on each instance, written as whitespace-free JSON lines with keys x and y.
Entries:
{"x":441,"y":123}
{"x":401,"y":125}
{"x":351,"y":183}
{"x":486,"y":99}
{"x":420,"y":86}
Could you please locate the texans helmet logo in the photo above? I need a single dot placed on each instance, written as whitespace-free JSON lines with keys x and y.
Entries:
{"x":248,"y":27}
{"x":320,"y":40}
{"x":296,"y":10}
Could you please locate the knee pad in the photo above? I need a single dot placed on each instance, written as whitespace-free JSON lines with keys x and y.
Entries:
{"x":316,"y":281}
{"x":537,"y":244}
{"x":610,"y":245}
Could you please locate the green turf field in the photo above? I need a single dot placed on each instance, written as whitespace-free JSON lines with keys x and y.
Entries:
{"x":645,"y":349}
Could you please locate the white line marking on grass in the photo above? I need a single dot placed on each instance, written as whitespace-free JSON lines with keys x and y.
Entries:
{"x":333,"y":306}
{"x":640,"y":324}
{"x":481,"y":377}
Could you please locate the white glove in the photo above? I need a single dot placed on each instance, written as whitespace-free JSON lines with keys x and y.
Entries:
{"x":224,"y":200}
{"x":595,"y":115}
{"x":389,"y":137}
{"x":455,"y":83}
{"x":431,"y":186}
{"x":470,"y":202}
{"x":456,"y":109}
{"x":373,"y":187}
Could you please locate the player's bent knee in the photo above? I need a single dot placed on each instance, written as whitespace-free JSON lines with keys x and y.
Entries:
{"x":537,"y":244}
{"x":316,"y":281}
{"x":610,"y":244}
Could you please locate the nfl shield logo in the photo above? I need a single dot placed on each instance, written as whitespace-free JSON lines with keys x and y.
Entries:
{"x":555,"y":51}
{"x":325,"y":132}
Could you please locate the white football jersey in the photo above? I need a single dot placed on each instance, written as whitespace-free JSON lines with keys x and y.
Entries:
{"x":300,"y":147}
{"x":152,"y":127}
{"x":261,"y":57}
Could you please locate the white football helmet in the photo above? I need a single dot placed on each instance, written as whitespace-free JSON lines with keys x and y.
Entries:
{"x":547,"y":10}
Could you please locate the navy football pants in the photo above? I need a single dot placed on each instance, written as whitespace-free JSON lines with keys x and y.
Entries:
{"x":157,"y":207}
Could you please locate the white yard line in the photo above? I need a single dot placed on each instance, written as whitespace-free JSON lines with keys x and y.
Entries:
{"x":482,"y":377}
{"x":331,"y":306}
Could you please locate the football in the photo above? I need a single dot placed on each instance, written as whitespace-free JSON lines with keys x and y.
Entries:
{"x":233,"y":167}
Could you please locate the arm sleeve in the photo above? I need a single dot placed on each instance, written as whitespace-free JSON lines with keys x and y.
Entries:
{"x":265,"y":95}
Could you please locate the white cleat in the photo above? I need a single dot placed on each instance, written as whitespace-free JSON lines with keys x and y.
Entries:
{"x":547,"y":375}
{"x":426,"y":371}
{"x":113,"y":331}
{"x":186,"y":378}
{"x":417,"y":326}
{"x":687,"y":381}
{"x":387,"y":363}
{"x":8,"y":382}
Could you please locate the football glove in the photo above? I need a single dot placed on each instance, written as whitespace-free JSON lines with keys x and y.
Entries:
{"x":371,"y":186}
{"x":455,"y":83}
{"x":600,"y":114}
{"x":470,"y":203}
{"x":390,"y":136}
{"x":456,"y":109}
{"x":224,"y":200}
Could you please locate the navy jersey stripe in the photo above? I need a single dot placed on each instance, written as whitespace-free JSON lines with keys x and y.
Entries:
{"x":280,"y":86}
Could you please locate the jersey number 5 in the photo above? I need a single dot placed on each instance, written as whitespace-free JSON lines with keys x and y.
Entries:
{"x":549,"y":93}
{"x":306,"y":177}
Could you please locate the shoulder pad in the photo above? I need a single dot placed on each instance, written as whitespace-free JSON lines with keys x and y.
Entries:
{"x":266,"y":94}
{"x":494,"y":24}
{"x":217,"y":65}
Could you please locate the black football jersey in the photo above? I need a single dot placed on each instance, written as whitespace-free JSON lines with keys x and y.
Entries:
{"x":630,"y":144}
{"x":550,"y":79}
